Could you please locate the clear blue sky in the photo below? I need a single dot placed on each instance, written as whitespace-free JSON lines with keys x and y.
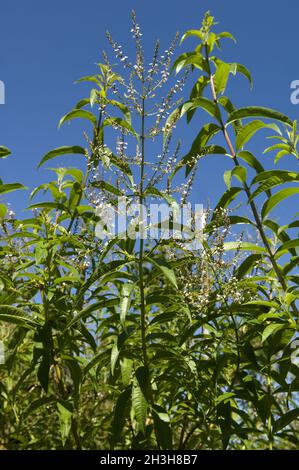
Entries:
{"x":46,"y":46}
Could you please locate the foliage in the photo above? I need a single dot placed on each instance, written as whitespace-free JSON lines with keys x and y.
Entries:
{"x":128,"y":343}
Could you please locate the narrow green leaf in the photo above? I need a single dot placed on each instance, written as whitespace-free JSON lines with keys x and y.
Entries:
{"x":124,"y":304}
{"x":278,"y":197}
{"x":78,"y":113}
{"x":248,"y":131}
{"x":67,"y":150}
{"x":244,"y":246}
{"x":4,"y":152}
{"x":7,"y":188}
{"x":256,"y":111}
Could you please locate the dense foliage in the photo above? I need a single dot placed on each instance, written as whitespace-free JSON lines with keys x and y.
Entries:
{"x":121,"y":343}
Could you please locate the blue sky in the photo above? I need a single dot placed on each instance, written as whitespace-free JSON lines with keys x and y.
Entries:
{"x":46,"y":46}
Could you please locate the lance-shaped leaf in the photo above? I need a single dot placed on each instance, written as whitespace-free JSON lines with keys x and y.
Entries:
{"x":251,"y":160}
{"x":244,"y":246}
{"x":287,"y":246}
{"x":248,"y":265}
{"x":239,"y":172}
{"x":92,"y":78}
{"x":258,"y":111}
{"x":226,"y":34}
{"x":248,"y":131}
{"x":165,"y":270}
{"x":78,"y":113}
{"x":197,"y":92}
{"x":4,"y":152}
{"x":202,"y":103}
{"x":119,"y":414}
{"x":65,"y":150}
{"x":65,"y":413}
{"x":117,"y":122}
{"x":3,"y":211}
{"x":283,"y":149}
{"x":122,"y":165}
{"x":107,"y":187}
{"x":124,"y":109}
{"x":192,"y":32}
{"x":7,"y":188}
{"x":221,"y":76}
{"x":124,"y":304}
{"x":139,"y":397}
{"x":274,"y":200}
{"x":162,"y":427}
{"x":194,"y":155}
{"x":270,"y":330}
{"x":226,"y":199}
{"x":270,"y":179}
{"x":195,"y":59}
{"x":16,"y":316}
{"x":243,"y":71}
{"x":139,"y":406}
{"x":286,"y":419}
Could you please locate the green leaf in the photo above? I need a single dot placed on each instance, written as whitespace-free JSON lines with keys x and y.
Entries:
{"x":227,"y":35}
{"x":114,"y":357}
{"x":221,"y":76}
{"x":126,"y":368}
{"x":162,"y":427}
{"x":238,"y":171}
{"x":93,"y":97}
{"x":66,"y":150}
{"x":78,"y":113}
{"x":16,"y":316}
{"x":286,"y":247}
{"x":244,"y":71}
{"x":3,"y":211}
{"x":250,"y":159}
{"x":119,"y":414}
{"x":248,"y":265}
{"x":139,"y":405}
{"x":278,"y":197}
{"x":226,"y":199}
{"x":202,"y":103}
{"x":86,"y":312}
{"x":7,"y":188}
{"x":36,"y":404}
{"x":65,"y":419}
{"x":124,"y":304}
{"x":118,"y":122}
{"x":248,"y":131}
{"x":107,"y":187}
{"x":272,"y":178}
{"x":256,"y":111}
{"x":190,"y":58}
{"x":286,"y":419}
{"x":90,"y":79}
{"x":124,"y":109}
{"x":194,"y":155}
{"x":244,"y":246}
{"x":165,"y":270}
{"x":270,"y":330}
{"x":4,"y":152}
{"x":191,"y":32}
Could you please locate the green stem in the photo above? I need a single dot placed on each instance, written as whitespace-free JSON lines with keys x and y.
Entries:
{"x":141,"y":251}
{"x":269,"y":394}
{"x":84,"y":182}
{"x":257,"y":218}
